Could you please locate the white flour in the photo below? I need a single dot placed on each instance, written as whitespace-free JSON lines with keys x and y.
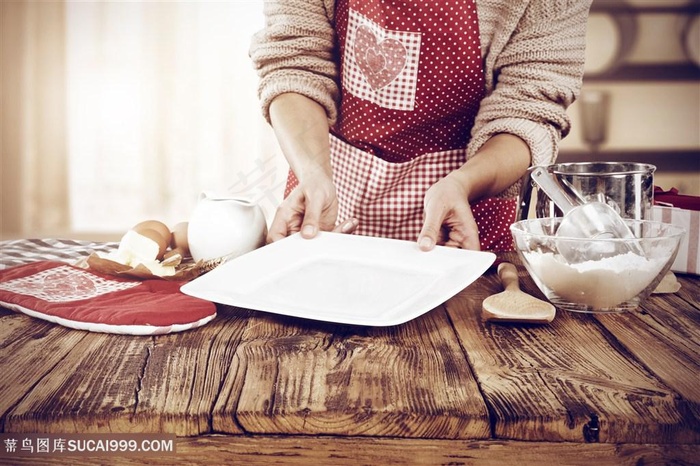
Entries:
{"x":599,"y":284}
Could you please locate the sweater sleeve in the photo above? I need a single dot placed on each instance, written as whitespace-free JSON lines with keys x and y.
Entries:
{"x":295,"y":52}
{"x":535,"y":74}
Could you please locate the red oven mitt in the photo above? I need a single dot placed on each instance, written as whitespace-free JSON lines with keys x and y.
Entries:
{"x":86,"y":300}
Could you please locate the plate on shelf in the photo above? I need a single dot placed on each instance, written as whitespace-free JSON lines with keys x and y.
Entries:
{"x":691,"y":40}
{"x":603,"y":43}
{"x":347,"y":279}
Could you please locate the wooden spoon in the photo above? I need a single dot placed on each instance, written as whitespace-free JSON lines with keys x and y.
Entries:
{"x":514,"y":305}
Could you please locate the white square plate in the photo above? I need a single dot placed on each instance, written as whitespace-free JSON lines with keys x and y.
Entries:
{"x":348,"y":279}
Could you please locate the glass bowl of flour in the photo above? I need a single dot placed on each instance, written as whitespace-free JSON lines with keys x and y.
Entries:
{"x":604,"y":274}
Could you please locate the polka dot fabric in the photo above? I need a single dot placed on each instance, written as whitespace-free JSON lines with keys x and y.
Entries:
{"x":493,"y":217}
{"x":412,"y":78}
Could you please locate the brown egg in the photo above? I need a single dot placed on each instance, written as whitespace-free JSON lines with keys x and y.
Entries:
{"x":179,"y":238}
{"x":160,"y":227}
{"x":155,"y":236}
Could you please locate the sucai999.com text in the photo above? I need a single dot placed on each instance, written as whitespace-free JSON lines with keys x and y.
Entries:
{"x":86,"y":444}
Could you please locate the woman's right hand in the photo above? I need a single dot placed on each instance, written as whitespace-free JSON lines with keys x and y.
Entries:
{"x":311,"y":207}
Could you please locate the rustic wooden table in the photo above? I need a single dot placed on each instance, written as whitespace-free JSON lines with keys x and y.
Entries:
{"x":257,"y":388}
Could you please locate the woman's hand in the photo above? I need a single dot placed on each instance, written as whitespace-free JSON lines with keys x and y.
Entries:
{"x":311,"y":207}
{"x":448,"y":218}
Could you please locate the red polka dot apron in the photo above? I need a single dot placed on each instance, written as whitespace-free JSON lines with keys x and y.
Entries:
{"x":412,"y":82}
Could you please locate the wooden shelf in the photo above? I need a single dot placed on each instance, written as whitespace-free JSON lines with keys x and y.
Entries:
{"x":663,"y":159}
{"x":651,"y":72}
{"x":607,"y":6}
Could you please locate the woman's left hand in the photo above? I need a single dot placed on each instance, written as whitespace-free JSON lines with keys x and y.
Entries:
{"x":448,"y":218}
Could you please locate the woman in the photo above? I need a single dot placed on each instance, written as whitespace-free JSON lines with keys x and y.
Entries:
{"x":435,"y":110}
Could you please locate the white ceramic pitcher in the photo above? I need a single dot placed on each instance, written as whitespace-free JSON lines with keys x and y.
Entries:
{"x":223,"y":227}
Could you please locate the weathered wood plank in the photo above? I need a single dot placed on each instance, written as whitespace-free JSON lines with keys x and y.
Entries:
{"x":690,"y":290}
{"x":167,"y":383}
{"x":329,"y":451}
{"x":566,"y":381}
{"x":302,"y":377}
{"x":92,"y":389}
{"x":665,"y":336}
{"x":184,"y":373}
{"x":29,"y":349}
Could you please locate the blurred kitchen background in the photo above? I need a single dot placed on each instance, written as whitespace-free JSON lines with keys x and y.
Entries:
{"x":117,"y":112}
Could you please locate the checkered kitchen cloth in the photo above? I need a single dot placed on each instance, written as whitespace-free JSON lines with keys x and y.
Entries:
{"x":25,"y":251}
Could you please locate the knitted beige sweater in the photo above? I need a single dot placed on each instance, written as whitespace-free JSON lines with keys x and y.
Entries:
{"x":533,"y":54}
